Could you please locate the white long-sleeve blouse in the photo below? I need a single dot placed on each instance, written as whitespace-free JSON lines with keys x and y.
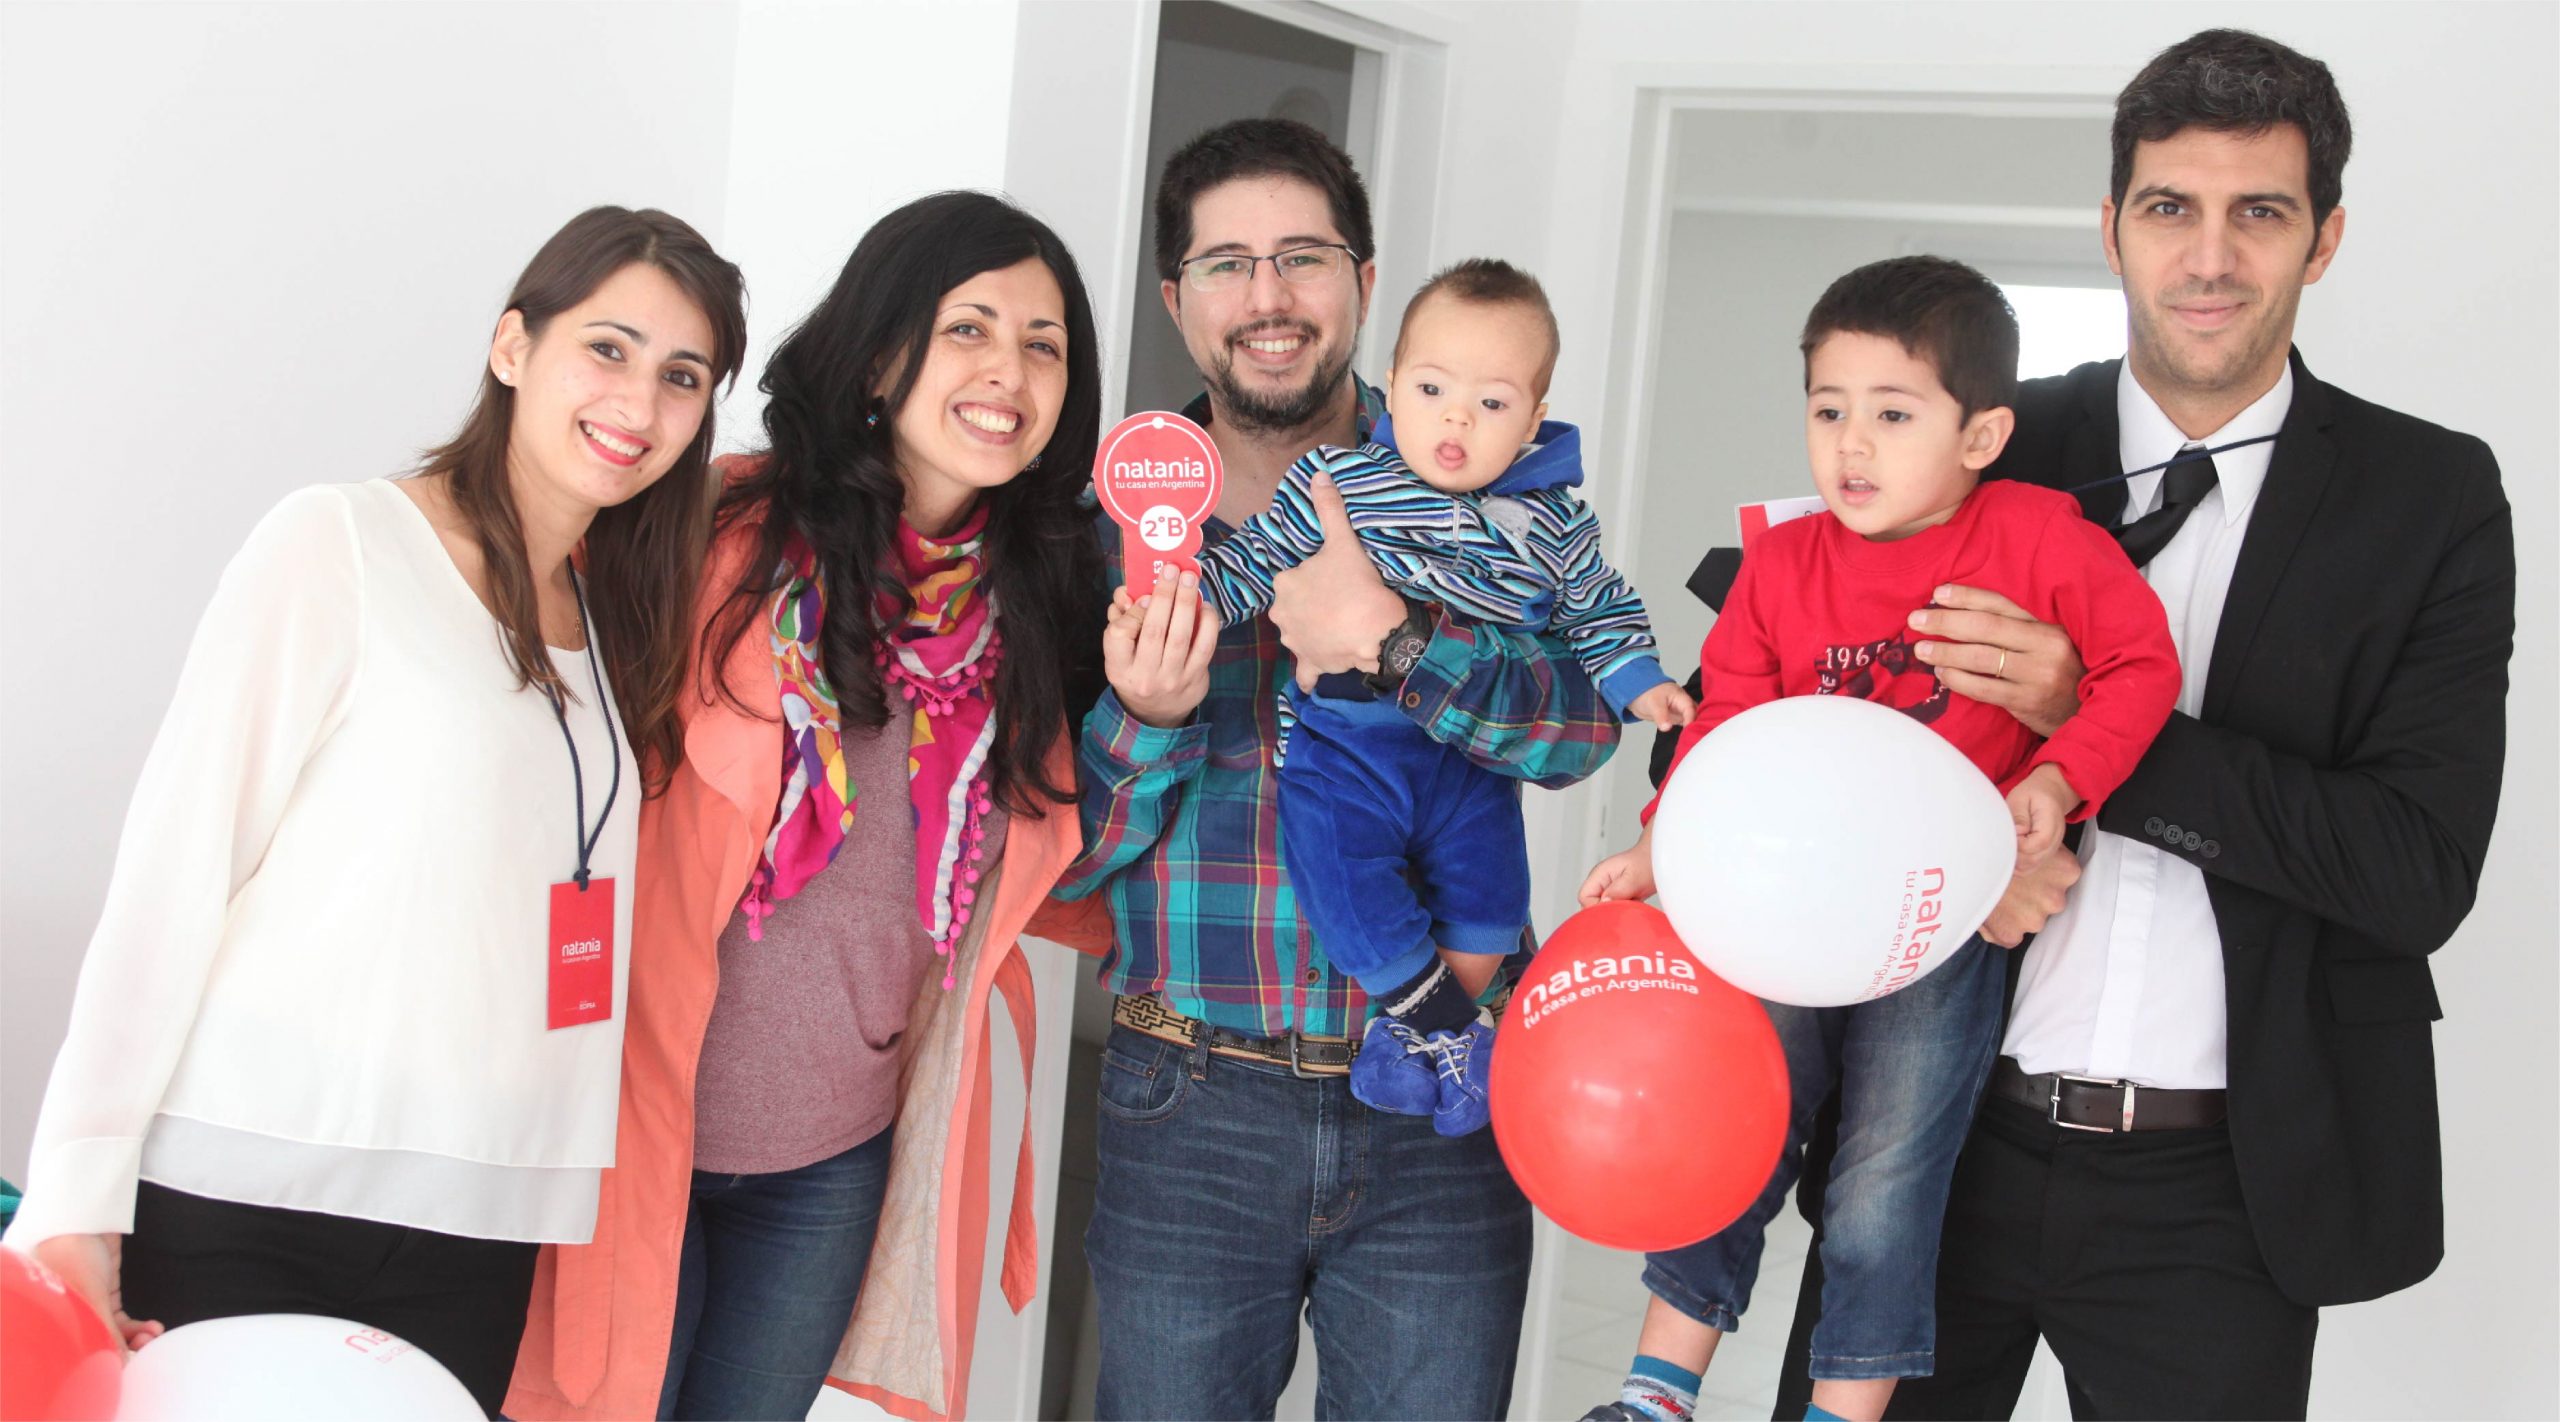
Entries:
{"x":320,"y":979}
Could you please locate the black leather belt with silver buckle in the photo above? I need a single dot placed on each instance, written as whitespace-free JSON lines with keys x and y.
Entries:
{"x":2087,"y":1103}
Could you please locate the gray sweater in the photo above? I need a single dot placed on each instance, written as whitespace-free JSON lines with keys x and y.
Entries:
{"x":800,"y":1062}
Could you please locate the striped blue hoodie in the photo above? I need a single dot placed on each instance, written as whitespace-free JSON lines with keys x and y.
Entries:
{"x":1521,"y":552}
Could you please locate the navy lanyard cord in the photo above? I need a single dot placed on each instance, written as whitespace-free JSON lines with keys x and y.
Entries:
{"x":613,"y":741}
{"x":2184,"y":456}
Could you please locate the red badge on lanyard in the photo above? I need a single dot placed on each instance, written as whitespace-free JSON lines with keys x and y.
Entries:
{"x":1158,"y":475}
{"x":581,"y":952}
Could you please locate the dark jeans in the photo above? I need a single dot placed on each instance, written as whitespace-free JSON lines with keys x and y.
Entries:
{"x":772,"y":1265}
{"x":2132,"y":1255}
{"x":461,"y":1301}
{"x":1233,"y":1197}
{"x":1908,"y":1068}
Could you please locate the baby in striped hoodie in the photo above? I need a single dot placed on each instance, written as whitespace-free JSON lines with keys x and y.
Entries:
{"x":1408,"y":860}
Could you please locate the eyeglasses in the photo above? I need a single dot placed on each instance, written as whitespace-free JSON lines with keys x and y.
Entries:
{"x":1221,"y":271}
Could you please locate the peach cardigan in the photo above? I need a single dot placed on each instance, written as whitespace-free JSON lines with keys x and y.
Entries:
{"x":596,"y":1339}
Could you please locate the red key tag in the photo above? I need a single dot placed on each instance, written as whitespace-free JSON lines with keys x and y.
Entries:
{"x":1158,"y":475}
{"x":581,"y":953}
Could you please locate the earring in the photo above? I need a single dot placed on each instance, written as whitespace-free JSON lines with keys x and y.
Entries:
{"x":871,"y":421}
{"x":506,"y":377}
{"x":1034,"y":464}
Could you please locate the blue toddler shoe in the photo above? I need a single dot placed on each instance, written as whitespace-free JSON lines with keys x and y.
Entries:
{"x":1394,"y":1071}
{"x":1459,"y":1060}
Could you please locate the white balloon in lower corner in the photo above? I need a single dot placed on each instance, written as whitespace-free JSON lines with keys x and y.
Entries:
{"x":1824,"y":850}
{"x":278,"y":1367}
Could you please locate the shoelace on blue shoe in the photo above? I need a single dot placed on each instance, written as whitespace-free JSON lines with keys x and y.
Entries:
{"x":1413,"y":1041}
{"x":1450,"y":1052}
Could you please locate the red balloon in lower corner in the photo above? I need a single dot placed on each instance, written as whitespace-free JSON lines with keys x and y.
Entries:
{"x":58,"y":1359}
{"x":1639,"y":1099}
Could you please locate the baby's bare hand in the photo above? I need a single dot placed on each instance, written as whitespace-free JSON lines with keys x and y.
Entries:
{"x":1666,"y":706}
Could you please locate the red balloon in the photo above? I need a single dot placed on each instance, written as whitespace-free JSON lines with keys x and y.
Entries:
{"x":58,"y":1359}
{"x":1639,"y":1099}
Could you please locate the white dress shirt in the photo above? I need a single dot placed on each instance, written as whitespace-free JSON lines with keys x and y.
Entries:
{"x":320,"y":980}
{"x":2126,"y":982}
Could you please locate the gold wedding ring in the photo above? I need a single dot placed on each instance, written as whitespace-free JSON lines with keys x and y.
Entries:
{"x":2002,"y":670}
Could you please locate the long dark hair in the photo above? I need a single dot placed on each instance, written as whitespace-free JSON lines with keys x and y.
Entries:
{"x":831,"y":476}
{"x":644,"y":555}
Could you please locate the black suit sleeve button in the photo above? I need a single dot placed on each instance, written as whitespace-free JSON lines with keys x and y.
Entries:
{"x":2212,"y":847}
{"x":2193,"y":840}
{"x":2151,"y":825}
{"x":2171,"y":833}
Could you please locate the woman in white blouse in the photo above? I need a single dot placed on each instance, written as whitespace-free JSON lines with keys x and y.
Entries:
{"x":348,"y":1036}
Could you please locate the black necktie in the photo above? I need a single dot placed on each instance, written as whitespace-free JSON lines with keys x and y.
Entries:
{"x":2182,"y":486}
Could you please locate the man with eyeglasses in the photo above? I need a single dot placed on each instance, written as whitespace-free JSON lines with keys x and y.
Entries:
{"x":1235,"y":1165}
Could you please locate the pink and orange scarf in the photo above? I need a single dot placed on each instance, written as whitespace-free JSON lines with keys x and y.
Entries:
{"x":941,"y":658}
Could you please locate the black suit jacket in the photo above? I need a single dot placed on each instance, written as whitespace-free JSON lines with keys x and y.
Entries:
{"x":2337,"y":792}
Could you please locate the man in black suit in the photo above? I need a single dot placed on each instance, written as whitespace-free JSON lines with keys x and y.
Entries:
{"x":2215,"y":1110}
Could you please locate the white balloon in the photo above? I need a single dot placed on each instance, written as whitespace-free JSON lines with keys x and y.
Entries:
{"x":1824,"y":850}
{"x":281,"y":1367}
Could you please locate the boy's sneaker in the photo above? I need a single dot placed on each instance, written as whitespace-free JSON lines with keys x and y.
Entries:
{"x":1394,"y":1070}
{"x":1460,"y":1058}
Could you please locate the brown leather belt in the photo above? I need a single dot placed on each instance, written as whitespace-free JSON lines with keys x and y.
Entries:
{"x":1303,"y":1055}
{"x":2087,"y":1103}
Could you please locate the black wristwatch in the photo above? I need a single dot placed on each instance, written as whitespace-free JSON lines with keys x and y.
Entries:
{"x":1402,"y":651}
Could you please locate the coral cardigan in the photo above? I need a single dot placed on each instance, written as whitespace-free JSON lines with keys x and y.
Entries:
{"x":595,"y":1343}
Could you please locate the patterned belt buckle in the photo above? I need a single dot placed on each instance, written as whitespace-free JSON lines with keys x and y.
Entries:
{"x":2053,"y":1106}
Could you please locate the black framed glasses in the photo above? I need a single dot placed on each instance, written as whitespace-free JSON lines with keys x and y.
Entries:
{"x":1221,"y":271}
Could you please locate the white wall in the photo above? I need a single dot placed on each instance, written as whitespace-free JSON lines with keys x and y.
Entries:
{"x":844,"y":112}
{"x":2441,"y":304}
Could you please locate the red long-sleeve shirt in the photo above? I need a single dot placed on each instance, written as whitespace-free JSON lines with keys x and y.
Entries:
{"x":1820,"y":611}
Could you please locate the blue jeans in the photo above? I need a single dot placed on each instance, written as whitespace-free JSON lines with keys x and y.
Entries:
{"x":1234,"y":1196}
{"x":1910,"y":1068}
{"x":771,"y":1267}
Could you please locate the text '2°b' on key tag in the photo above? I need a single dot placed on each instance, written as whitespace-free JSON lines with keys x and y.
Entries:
{"x":1158,"y":476}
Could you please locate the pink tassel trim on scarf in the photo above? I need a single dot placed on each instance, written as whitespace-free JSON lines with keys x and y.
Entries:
{"x":942,"y":658}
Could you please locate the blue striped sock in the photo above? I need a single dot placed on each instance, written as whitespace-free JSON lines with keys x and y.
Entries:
{"x":1664,"y":1391}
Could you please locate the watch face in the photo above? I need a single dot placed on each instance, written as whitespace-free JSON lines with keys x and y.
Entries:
{"x":1403,"y":652}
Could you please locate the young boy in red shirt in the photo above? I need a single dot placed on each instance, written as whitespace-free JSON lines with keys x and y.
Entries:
{"x":1910,"y":366}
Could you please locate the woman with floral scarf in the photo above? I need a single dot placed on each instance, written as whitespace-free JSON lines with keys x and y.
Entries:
{"x":876,"y":791}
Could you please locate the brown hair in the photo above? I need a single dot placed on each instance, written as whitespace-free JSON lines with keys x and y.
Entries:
{"x":644,"y":555}
{"x":1258,"y":148}
{"x":1489,"y":281}
{"x":1943,"y":312}
{"x":2232,"y":81}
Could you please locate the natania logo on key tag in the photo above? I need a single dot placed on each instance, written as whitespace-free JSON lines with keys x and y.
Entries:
{"x":1158,"y":475}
